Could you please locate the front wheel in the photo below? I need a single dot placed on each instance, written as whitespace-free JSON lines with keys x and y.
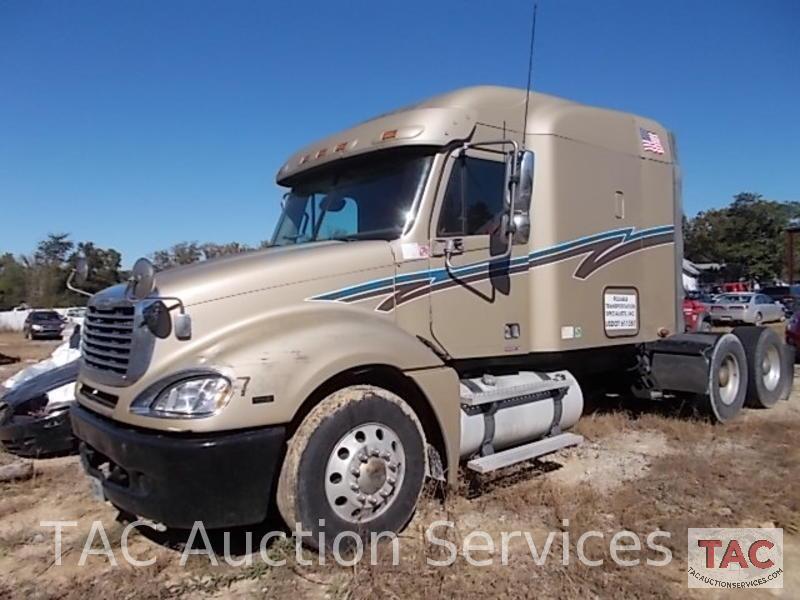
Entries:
{"x":355,"y":466}
{"x":759,"y":319}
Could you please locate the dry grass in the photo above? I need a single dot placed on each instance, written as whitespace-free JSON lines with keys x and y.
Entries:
{"x":644,"y":467}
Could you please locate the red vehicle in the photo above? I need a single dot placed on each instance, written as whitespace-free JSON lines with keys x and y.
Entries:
{"x":793,"y":332}
{"x":696,"y":315}
{"x":736,"y":286}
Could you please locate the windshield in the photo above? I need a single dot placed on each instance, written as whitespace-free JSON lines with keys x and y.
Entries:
{"x":44,"y":316}
{"x":735,"y":299}
{"x":364,"y":198}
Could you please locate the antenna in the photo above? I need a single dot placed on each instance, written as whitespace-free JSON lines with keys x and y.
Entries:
{"x":530,"y":73}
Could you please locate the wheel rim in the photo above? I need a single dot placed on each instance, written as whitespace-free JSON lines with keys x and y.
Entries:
{"x":729,"y":377}
{"x":364,"y":472}
{"x":771,"y":368}
{"x":759,"y":318}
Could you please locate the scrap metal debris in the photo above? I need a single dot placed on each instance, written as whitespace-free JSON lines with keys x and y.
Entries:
{"x":8,"y":360}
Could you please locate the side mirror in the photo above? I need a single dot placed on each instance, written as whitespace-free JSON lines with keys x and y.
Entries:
{"x":142,"y":279}
{"x":183,"y":326}
{"x":522,"y":227}
{"x":521,"y":202}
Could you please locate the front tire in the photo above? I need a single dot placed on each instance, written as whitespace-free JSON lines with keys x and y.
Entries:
{"x":357,"y":461}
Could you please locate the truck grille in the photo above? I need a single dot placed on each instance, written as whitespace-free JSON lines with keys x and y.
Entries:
{"x":116,"y":346}
{"x":108,"y":335}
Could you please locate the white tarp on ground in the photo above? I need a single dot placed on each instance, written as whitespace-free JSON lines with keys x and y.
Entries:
{"x":62,"y":355}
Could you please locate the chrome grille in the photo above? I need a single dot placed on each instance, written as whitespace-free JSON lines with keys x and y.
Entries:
{"x":116,"y":346}
{"x":108,"y":335}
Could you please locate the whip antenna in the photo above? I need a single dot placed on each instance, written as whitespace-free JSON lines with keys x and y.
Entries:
{"x":530,"y":74}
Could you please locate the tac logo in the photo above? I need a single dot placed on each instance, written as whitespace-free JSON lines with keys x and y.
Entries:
{"x":735,"y":558}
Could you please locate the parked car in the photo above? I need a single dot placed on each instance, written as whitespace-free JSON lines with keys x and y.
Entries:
{"x":746,"y":307}
{"x":34,"y":416}
{"x":789,"y":296}
{"x":43,"y":323}
{"x":35,"y":404}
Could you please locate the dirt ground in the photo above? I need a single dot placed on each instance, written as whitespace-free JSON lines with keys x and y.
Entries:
{"x":643,"y":467}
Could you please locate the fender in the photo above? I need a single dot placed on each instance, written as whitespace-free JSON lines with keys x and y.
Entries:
{"x":277,"y":358}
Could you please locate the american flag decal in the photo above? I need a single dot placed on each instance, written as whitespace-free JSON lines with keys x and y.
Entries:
{"x":650,"y":141}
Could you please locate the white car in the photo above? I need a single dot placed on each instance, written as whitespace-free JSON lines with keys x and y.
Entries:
{"x":746,"y":307}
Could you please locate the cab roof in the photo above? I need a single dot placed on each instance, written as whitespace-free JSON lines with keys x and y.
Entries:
{"x":453,"y":116}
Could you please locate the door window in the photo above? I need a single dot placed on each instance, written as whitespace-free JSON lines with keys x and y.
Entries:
{"x":474,"y":199}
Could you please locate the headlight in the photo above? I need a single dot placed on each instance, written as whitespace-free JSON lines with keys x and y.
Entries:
{"x":190,"y":398}
{"x":36,"y":327}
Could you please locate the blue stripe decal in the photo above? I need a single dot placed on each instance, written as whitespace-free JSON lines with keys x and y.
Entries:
{"x":570,"y":249}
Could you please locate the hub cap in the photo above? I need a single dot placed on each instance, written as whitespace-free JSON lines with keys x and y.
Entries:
{"x":728,"y":378}
{"x":771,"y":368}
{"x":364,"y":472}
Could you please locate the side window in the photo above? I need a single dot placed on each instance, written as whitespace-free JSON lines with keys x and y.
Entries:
{"x":473,"y":202}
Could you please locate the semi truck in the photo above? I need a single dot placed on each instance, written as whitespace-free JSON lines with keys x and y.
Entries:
{"x":444,"y":286}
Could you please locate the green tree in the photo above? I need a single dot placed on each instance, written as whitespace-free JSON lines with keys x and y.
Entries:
{"x":186,"y":253}
{"x":747,"y":236}
{"x":12,"y":282}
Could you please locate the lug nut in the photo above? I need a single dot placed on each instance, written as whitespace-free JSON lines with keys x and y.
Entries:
{"x":355,"y":471}
{"x":374,"y":452}
{"x":392,"y":466}
{"x":363,"y":457}
{"x":354,"y":487}
{"x":386,"y":456}
{"x":361,"y":498}
{"x":391,"y":480}
{"x":385,"y":493}
{"x":373,"y":500}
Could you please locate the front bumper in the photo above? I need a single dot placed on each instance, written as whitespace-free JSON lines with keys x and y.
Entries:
{"x":38,"y":437}
{"x":49,"y":332}
{"x":223,"y":480}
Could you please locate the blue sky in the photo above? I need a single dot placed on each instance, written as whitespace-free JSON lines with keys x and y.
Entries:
{"x":141,"y":124}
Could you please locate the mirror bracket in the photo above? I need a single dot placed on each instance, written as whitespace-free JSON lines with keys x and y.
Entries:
{"x":72,"y":288}
{"x":78,"y":275}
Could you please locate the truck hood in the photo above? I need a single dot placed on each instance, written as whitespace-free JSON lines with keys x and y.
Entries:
{"x":261,"y":270}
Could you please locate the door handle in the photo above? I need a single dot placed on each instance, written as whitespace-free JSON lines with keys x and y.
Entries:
{"x":452,"y":247}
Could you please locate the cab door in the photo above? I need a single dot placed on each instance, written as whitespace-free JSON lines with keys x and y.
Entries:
{"x":479,"y":296}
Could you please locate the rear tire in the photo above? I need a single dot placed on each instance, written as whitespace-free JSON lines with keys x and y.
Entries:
{"x":727,"y":380}
{"x":769,"y":379}
{"x":759,"y":319}
{"x":357,"y":461}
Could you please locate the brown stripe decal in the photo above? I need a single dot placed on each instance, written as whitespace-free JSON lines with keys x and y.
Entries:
{"x":599,"y":250}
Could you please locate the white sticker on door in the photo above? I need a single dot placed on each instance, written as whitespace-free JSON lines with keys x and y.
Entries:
{"x":620,"y":311}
